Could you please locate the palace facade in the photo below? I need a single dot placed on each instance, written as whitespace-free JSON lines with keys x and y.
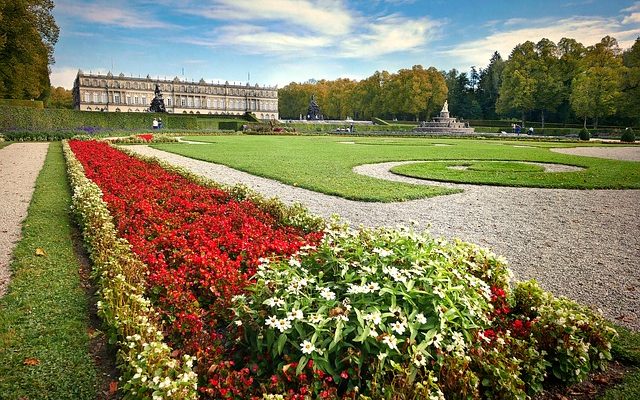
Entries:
{"x":95,"y":92}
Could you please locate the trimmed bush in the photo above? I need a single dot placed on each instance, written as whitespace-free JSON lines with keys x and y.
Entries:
{"x":584,"y":134}
{"x":628,"y":136}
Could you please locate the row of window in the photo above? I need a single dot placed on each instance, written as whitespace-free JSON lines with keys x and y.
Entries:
{"x":179,"y":88}
{"x":196,"y":102}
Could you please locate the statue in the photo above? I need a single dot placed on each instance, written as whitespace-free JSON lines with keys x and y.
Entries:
{"x":445,"y":107}
{"x":313,"y":112}
{"x":157,"y":104}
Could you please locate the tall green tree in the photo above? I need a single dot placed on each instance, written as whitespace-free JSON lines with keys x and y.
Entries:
{"x":595,"y":90}
{"x":630,"y":90}
{"x":570,"y":53}
{"x":28,"y":35}
{"x":518,"y":87}
{"x":548,"y":81}
{"x":461,"y":95}
{"x":489,"y":86}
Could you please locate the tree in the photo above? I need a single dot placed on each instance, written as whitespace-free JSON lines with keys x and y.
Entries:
{"x":518,"y":87}
{"x":28,"y":34}
{"x":548,"y":81}
{"x":461,"y":96}
{"x":489,"y":86}
{"x":630,"y":90}
{"x":570,"y":53}
{"x":595,"y":90}
{"x":60,"y":98}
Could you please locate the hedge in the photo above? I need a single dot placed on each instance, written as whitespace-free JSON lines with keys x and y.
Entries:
{"x":22,"y":103}
{"x":55,"y":120}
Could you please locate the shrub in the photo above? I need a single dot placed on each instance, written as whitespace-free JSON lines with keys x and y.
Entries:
{"x":628,"y":136}
{"x":584,"y":134}
{"x":22,"y":103}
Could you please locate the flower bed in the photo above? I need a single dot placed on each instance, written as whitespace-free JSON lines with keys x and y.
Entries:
{"x":271,"y":309}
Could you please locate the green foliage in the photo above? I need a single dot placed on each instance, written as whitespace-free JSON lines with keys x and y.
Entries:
{"x":29,"y":33}
{"x":231,"y":125}
{"x":51,"y":120}
{"x":584,"y":134}
{"x":60,"y":98}
{"x":628,"y":136}
{"x":22,"y":103}
{"x":393,"y":311}
{"x":379,"y":121}
{"x":44,"y":314}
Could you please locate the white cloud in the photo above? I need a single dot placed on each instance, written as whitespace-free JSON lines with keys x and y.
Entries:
{"x":327,"y":17}
{"x":63,"y":76}
{"x":586,"y":30}
{"x":633,"y":18}
{"x":389,"y":34}
{"x":634,"y":7}
{"x":110,"y":14}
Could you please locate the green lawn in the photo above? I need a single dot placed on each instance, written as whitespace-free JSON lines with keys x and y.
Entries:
{"x":44,"y":340}
{"x":4,"y":144}
{"x":324,"y":164}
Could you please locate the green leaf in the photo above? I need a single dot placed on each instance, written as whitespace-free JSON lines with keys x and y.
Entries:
{"x":282,"y":340}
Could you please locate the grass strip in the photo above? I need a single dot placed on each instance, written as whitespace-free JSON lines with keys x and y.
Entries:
{"x":626,"y":349}
{"x":44,"y":339}
{"x":325,"y":163}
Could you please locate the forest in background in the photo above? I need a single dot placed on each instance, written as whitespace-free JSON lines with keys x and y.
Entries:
{"x":564,"y":82}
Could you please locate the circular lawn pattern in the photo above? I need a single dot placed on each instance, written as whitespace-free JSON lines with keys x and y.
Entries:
{"x":499,"y":173}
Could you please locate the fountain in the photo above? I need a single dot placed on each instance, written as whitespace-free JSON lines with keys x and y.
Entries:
{"x":444,"y":124}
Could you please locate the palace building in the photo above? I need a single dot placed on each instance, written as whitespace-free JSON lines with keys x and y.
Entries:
{"x":94,"y":92}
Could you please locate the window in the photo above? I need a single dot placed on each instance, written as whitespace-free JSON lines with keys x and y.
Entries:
{"x":135,"y":100}
{"x":87,"y":98}
{"x":95,"y":97}
{"x":116,"y":98}
{"x":208,"y":103}
{"x":183,"y":101}
{"x":198,"y":102}
{"x":190,"y":101}
{"x":144,"y":100}
{"x":169,"y":101}
{"x":128,"y":99}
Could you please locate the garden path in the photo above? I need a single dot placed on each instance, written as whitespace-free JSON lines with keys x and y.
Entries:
{"x":582,"y":244}
{"x":631,"y":153}
{"x":20,"y":164}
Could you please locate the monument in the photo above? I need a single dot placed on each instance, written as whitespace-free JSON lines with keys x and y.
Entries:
{"x":444,"y":124}
{"x":157,"y":104}
{"x":313,"y":112}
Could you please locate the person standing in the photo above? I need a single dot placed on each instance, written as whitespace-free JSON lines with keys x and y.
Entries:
{"x":155,"y":123}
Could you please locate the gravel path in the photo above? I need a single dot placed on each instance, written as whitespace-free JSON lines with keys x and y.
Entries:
{"x":583,"y":244}
{"x":615,"y":153}
{"x":20,"y":164}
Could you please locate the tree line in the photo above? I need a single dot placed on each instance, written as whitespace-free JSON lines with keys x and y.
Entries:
{"x":564,"y":82}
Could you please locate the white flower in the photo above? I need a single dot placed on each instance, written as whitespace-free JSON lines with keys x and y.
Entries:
{"x":341,"y":317}
{"x":238,"y":322}
{"x":283,"y":325}
{"x":263,"y":261}
{"x":294,"y":262}
{"x":374,"y":317}
{"x":391,"y":341}
{"x":438,"y":291}
{"x":274,"y":302}
{"x":271,"y":321}
{"x":295,"y":314}
{"x":327,"y":294}
{"x":419,"y":360}
{"x":382,"y":356}
{"x":399,"y":327}
{"x":316,"y":318}
{"x":372,"y":287}
{"x":436,"y":340}
{"x":382,"y":252}
{"x":420,"y":318}
{"x":307,"y":347}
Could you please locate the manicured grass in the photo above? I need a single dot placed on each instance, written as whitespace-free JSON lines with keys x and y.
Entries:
{"x":324,"y":164}
{"x":626,"y":349}
{"x":44,"y":340}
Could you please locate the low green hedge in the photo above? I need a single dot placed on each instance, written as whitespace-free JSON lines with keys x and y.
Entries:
{"x":22,"y":103}
{"x":29,"y":119}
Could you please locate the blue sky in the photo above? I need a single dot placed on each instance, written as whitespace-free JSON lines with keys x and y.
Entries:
{"x":280,"y":41}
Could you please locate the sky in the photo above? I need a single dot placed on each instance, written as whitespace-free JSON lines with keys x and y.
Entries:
{"x":275,"y":42}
